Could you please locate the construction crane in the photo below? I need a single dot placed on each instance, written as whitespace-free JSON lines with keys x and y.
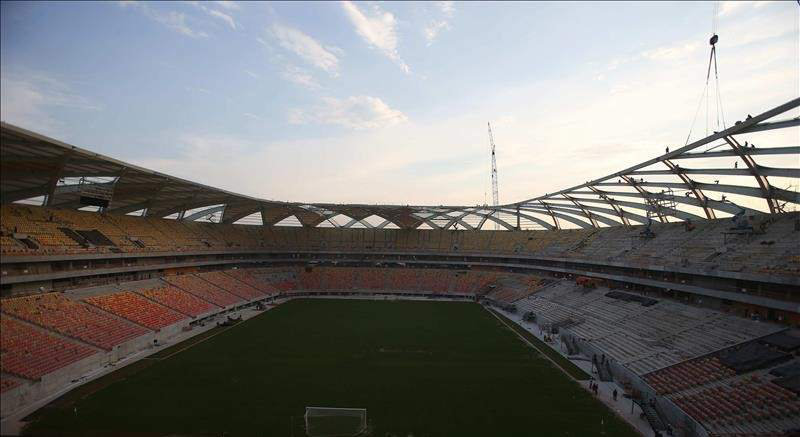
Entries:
{"x":495,"y":191}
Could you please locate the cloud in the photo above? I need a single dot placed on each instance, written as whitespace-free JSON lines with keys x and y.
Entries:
{"x":224,"y":17}
{"x":671,"y":53}
{"x":447,"y":8}
{"x":173,"y":20}
{"x":26,"y":99}
{"x":579,"y":128}
{"x":216,"y":14}
{"x":378,"y":29}
{"x":252,"y":74}
{"x":435,"y":27}
{"x":357,"y":112}
{"x":731,"y":7}
{"x":198,"y":90}
{"x":307,"y":48}
{"x":227,"y":4}
{"x":253,"y":116}
{"x":299,"y":76}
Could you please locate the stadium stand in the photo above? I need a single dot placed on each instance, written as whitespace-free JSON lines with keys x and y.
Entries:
{"x":231,"y":285}
{"x":663,"y":307}
{"x":178,"y":300}
{"x":72,"y":319}
{"x":136,"y":309}
{"x":244,"y":275}
{"x":30,"y":353}
{"x":204,"y":290}
{"x":640,"y":336}
{"x":770,"y":250}
{"x":7,"y":383}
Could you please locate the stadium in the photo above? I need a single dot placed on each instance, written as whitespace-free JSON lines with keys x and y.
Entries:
{"x":652,"y":300}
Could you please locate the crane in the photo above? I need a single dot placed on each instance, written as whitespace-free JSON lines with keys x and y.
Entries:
{"x":495,"y":191}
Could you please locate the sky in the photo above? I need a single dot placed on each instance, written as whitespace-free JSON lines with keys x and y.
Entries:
{"x":387,"y":102}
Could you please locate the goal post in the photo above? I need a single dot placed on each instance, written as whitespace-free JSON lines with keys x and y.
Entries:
{"x":333,"y":422}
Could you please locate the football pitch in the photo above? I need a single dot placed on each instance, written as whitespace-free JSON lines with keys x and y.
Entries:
{"x":419,"y":368}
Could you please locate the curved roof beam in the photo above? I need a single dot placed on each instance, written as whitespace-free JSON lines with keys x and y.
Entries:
{"x":204,"y":213}
{"x":646,"y":195}
{"x":645,"y":207}
{"x":537,"y":220}
{"x":454,"y":220}
{"x":761,"y":178}
{"x":233,"y":218}
{"x":577,"y":210}
{"x":750,"y":151}
{"x":698,"y":193}
{"x":767,"y":171}
{"x":569,"y":218}
{"x":781,"y":194}
{"x":749,"y":125}
{"x":628,"y":215}
{"x":586,"y":213}
{"x":552,"y":216}
{"x":714,"y":204}
{"x":491,"y":217}
{"x":621,"y":213}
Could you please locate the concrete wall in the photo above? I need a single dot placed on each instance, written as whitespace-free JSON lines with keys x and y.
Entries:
{"x":50,"y":383}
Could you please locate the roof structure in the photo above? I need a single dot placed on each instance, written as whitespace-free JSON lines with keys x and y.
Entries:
{"x":660,"y":189}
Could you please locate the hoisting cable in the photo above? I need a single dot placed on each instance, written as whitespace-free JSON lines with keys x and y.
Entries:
{"x":705,"y":95}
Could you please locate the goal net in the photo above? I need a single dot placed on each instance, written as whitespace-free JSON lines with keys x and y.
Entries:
{"x":330,"y":422}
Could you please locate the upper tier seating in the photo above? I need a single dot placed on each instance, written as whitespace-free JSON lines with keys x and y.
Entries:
{"x":204,"y":290}
{"x":178,"y":300}
{"x":231,"y":285}
{"x":772,"y":249}
{"x":403,"y":280}
{"x":72,"y":319}
{"x":137,"y":309}
{"x":30,"y":353}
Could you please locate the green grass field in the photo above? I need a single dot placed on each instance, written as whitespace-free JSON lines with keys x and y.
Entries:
{"x":420,"y":368}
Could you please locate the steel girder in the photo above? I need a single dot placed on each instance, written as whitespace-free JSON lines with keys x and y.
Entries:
{"x":626,"y":215}
{"x":518,"y":213}
{"x":619,"y":211}
{"x":761,"y":179}
{"x":32,"y":165}
{"x":691,"y":201}
{"x":586,"y":213}
{"x":549,"y":211}
{"x":754,"y":124}
{"x":698,"y":193}
{"x":749,"y":151}
{"x":578,"y":211}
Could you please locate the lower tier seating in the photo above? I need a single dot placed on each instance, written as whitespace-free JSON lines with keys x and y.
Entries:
{"x":72,"y":319}
{"x":7,"y":383}
{"x":137,"y":309}
{"x":204,"y":290}
{"x":231,"y":285}
{"x":30,"y":353}
{"x":179,"y":300}
{"x":252,"y":280}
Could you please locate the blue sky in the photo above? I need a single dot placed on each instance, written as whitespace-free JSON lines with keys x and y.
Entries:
{"x":386,"y":102}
